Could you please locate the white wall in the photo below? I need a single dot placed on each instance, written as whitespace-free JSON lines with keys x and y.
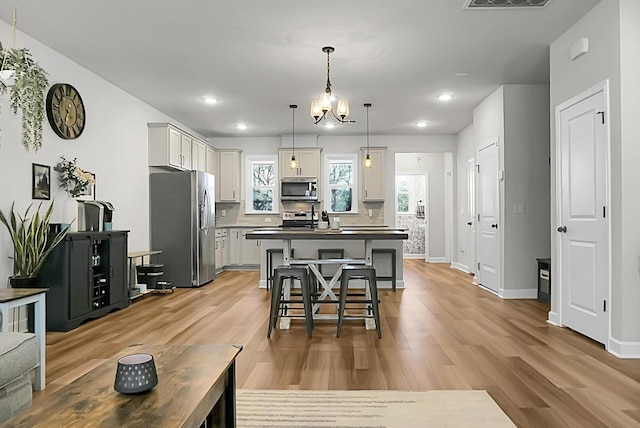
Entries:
{"x":526,"y":183}
{"x":383,"y":213}
{"x":113,"y":146}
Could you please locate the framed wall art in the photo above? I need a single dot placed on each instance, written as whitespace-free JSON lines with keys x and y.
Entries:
{"x":41,"y":181}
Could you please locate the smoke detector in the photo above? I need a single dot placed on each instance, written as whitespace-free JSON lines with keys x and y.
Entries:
{"x":503,"y":4}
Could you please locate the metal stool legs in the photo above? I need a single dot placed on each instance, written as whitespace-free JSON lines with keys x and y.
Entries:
{"x":279,"y":306}
{"x":369,"y":273}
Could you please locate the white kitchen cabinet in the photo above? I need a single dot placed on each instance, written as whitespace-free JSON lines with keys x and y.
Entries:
{"x":218,"y":250}
{"x":199,"y":155}
{"x":225,"y":247}
{"x":309,"y":159}
{"x":243,"y":251}
{"x":235,"y":246}
{"x":250,"y":249}
{"x":373,"y":178}
{"x":229,"y":176}
{"x":212,"y":161}
{"x":169,"y":147}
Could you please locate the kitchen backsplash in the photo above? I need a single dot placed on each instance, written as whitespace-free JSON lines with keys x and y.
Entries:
{"x":235,"y":215}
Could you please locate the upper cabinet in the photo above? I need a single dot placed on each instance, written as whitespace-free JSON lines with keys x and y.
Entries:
{"x":212,"y":161}
{"x":199,"y":155}
{"x":228,"y":178}
{"x":308,"y":158}
{"x":171,"y":147}
{"x":373,"y":178}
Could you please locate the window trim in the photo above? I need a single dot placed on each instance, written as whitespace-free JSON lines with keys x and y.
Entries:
{"x":326,"y":192}
{"x":249,"y":161}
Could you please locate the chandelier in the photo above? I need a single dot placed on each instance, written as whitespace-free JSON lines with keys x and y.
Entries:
{"x":323,"y":105}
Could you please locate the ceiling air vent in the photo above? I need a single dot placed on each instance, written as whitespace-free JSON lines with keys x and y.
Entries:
{"x":495,"y":4}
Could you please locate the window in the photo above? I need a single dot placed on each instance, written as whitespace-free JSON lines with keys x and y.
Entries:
{"x":262,"y":189}
{"x":410,"y":194}
{"x":340,"y":194}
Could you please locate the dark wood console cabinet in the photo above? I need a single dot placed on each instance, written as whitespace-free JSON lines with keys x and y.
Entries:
{"x":86,"y":275}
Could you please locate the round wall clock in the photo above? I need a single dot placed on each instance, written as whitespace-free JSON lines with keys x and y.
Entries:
{"x":65,"y":111}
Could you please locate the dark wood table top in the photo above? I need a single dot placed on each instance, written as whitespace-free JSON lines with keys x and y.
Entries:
{"x":340,"y":234}
{"x":9,"y":294}
{"x":190,"y":379}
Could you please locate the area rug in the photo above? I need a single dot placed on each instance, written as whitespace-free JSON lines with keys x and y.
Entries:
{"x":367,"y":409}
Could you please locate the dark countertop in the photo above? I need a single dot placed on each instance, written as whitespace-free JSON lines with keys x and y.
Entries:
{"x":341,"y":234}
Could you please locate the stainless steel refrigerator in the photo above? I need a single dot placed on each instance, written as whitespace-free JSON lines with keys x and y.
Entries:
{"x":182,"y":217}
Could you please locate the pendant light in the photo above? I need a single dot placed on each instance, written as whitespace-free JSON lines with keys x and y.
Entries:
{"x":293,"y":163}
{"x":368,"y":163}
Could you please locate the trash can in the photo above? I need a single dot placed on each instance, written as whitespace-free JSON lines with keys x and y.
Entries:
{"x":149,"y":274}
{"x":544,"y":280}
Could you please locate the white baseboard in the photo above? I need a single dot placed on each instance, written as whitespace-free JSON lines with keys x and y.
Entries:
{"x":438,"y":260}
{"x":413,"y":256}
{"x":460,"y":266}
{"x":526,"y":293}
{"x":553,"y":319}
{"x":624,"y":349}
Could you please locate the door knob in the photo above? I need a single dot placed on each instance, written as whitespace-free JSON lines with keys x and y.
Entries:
{"x":562,"y":229}
{"x":495,"y":225}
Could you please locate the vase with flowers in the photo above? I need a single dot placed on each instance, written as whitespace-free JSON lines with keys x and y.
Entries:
{"x":73,"y":179}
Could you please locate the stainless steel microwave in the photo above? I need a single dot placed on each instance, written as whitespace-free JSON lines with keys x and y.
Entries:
{"x":299,"y":189}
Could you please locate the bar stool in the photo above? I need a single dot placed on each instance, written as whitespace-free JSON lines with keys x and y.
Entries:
{"x":270,"y":253}
{"x":351,"y":272}
{"x":391,"y":251}
{"x":280,"y":306}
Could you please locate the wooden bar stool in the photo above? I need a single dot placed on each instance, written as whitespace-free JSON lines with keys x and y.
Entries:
{"x":270,"y":253}
{"x":352,"y":272}
{"x":281,"y":307}
{"x":392,"y":252}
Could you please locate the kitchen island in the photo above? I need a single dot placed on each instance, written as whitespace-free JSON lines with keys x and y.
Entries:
{"x":357,"y":243}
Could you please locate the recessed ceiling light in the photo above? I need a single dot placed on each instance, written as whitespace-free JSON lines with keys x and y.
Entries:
{"x":241,"y":126}
{"x":462,"y":74}
{"x":210,"y":100}
{"x":422,"y":124}
{"x":444,"y":97}
{"x":329,"y":125}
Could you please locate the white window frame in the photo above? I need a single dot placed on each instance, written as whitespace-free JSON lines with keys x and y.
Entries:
{"x":355,"y":201}
{"x":250,"y":161}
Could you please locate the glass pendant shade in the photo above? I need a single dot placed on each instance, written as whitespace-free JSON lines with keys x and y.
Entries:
{"x":316,"y":110}
{"x":343,"y":108}
{"x":293,"y":163}
{"x":325,"y":101}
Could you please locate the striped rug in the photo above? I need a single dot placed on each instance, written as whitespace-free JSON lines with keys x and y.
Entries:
{"x":367,"y":409}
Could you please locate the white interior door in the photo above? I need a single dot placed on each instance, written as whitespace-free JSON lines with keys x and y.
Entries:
{"x":488,"y":218}
{"x":471,"y":215}
{"x":583,"y":223}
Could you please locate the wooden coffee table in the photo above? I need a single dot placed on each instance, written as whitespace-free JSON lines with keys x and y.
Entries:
{"x":196,"y":383}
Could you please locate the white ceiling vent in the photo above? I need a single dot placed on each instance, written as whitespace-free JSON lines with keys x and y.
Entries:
{"x":503,"y":4}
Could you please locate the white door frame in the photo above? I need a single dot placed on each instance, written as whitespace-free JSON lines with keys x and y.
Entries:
{"x":556,"y":265}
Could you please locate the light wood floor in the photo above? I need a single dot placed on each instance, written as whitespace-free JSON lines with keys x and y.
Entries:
{"x":442,"y":332}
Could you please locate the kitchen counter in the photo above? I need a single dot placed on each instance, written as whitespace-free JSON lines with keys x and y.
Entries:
{"x":356,"y":243}
{"x":340,"y":234}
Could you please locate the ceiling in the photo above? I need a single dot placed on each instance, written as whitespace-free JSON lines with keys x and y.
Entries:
{"x":259,"y":56}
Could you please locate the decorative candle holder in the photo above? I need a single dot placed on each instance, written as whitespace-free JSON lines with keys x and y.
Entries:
{"x":135,"y":373}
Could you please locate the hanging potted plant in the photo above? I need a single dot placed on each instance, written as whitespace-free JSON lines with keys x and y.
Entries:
{"x":32,"y":242}
{"x":26,"y":83}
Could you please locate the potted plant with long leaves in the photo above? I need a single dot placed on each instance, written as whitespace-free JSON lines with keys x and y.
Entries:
{"x":32,"y":242}
{"x":27,"y":92}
